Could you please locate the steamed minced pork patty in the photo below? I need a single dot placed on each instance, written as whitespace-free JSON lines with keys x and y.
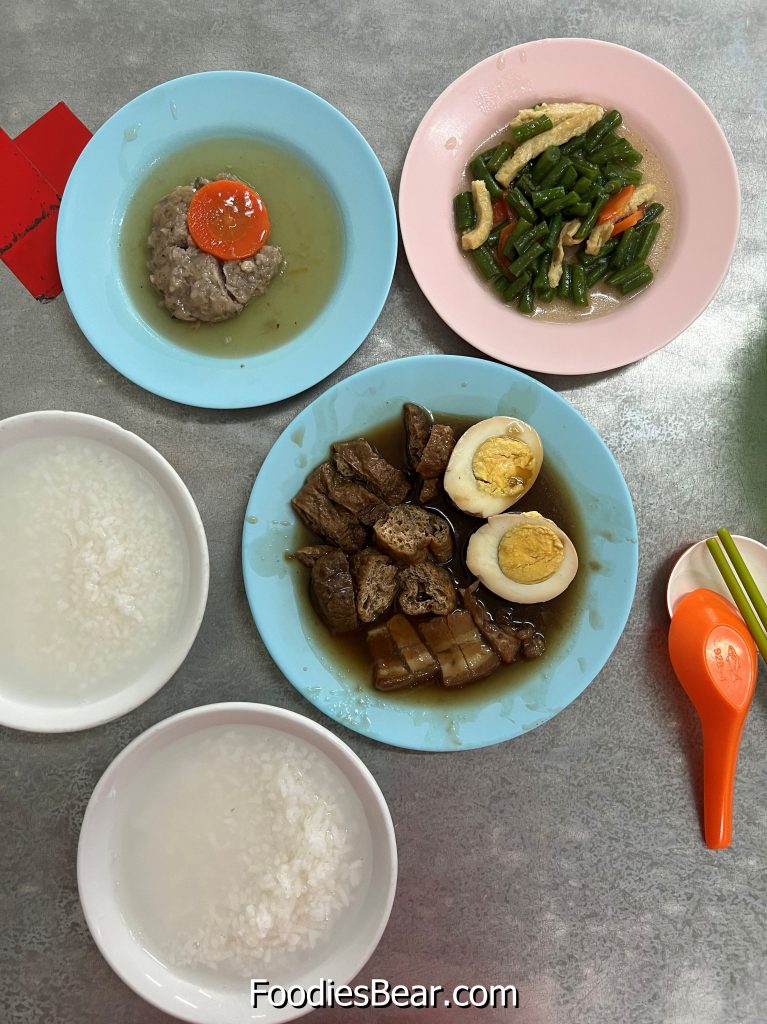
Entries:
{"x":194,"y":285}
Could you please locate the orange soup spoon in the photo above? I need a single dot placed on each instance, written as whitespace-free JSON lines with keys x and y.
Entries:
{"x":715,"y":659}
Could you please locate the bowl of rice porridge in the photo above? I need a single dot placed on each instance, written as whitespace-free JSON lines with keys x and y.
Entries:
{"x":105,"y":571}
{"x":236,"y":850}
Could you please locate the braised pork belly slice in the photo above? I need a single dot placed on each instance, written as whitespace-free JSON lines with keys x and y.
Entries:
{"x":400,"y":657}
{"x":459,"y":647}
{"x":504,"y":640}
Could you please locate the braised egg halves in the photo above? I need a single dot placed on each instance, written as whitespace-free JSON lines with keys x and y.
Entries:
{"x":522,"y":557}
{"x":493,"y":465}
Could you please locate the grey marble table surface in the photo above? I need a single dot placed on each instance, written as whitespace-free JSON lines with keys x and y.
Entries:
{"x":568,"y":862}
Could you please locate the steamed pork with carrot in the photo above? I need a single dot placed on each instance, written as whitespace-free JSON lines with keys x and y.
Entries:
{"x":558,"y":206}
{"x":208,"y":251}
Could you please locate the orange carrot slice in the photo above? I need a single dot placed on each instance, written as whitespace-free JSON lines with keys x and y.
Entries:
{"x":228,"y":219}
{"x":615,"y":206}
{"x":499,"y":212}
{"x":627,"y":222}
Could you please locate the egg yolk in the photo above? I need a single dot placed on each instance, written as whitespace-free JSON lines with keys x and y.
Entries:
{"x":503,"y":465}
{"x":530,"y":553}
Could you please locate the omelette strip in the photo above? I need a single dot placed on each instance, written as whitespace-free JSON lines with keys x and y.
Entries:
{"x":566,"y":237}
{"x":484,"y":209}
{"x":556,"y":112}
{"x":577,"y":124}
{"x":600,"y":234}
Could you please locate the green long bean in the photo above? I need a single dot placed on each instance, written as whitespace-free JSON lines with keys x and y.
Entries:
{"x":545,"y":163}
{"x":541,"y":280}
{"x":628,"y":175}
{"x":569,"y":178}
{"x":622,"y":256}
{"x":588,"y":224}
{"x":502,"y":152}
{"x":617,"y":277}
{"x":647,"y":234}
{"x":518,"y":202}
{"x":559,"y":204}
{"x":585,"y":168}
{"x":609,"y":246}
{"x":480,"y":173}
{"x":564,"y":288}
{"x":651,"y":212}
{"x":606,"y":124}
{"x":596,"y":271}
{"x":515,"y":288}
{"x":485,"y":262}
{"x":555,"y":174}
{"x":530,"y":129}
{"x":639,"y":280}
{"x":545,"y":195}
{"x":535,"y":234}
{"x":463,"y":211}
{"x":555,"y":226}
{"x":580,"y":292}
{"x":526,"y":259}
{"x":522,"y":226}
{"x":526,"y":302}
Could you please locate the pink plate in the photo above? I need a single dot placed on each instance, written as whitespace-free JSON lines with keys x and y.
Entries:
{"x":665,"y":111}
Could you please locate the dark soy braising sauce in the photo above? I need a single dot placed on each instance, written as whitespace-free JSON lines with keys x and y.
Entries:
{"x":550,"y":495}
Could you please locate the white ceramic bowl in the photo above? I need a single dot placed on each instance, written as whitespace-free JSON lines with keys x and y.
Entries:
{"x":696,"y":568}
{"x":83,"y":714}
{"x":181,"y":995}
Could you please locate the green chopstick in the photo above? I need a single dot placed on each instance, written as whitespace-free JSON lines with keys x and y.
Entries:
{"x":740,"y":567}
{"x":738,"y":594}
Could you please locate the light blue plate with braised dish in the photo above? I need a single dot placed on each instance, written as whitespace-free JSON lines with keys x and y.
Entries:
{"x":522,"y":696}
{"x":150,"y":129}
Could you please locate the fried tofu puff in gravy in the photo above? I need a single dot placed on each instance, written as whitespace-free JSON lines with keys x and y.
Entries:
{"x":522,"y":557}
{"x":493,"y":464}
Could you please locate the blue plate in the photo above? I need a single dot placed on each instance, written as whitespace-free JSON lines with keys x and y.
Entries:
{"x":171,"y":117}
{"x":608,"y":553}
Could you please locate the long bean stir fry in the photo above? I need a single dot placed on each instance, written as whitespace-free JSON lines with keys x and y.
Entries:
{"x":558,"y":206}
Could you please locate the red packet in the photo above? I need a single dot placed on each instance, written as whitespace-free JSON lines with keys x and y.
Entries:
{"x":35,"y":167}
{"x":53,"y":144}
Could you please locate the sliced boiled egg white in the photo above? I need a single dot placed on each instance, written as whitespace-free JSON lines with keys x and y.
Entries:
{"x":493,"y":464}
{"x":522,"y":557}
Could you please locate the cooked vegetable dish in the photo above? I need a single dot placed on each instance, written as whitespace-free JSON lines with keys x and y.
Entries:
{"x":406,"y":556}
{"x":557,"y":206}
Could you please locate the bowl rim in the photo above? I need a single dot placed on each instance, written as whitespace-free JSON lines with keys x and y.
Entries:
{"x":209,"y":715}
{"x":47,"y":718}
{"x":207,"y":381}
{"x":399,"y":734}
{"x":754,"y":551}
{"x":526,"y":355}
